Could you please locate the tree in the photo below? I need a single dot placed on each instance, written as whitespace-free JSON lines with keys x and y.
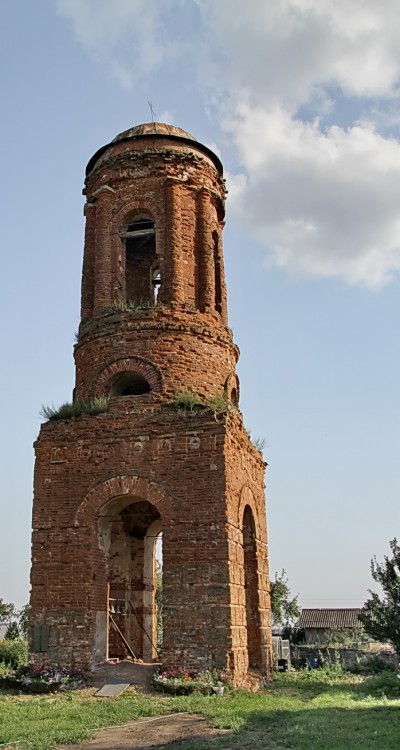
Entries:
{"x":381,"y":614}
{"x":23,"y":621}
{"x":7,"y":612}
{"x":285,"y":610}
{"x":16,"y":620}
{"x":12,"y":632}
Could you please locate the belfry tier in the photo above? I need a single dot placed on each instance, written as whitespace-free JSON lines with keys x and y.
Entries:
{"x":153,"y":272}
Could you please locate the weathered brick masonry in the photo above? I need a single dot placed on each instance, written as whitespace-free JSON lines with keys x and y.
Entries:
{"x":154,"y":324}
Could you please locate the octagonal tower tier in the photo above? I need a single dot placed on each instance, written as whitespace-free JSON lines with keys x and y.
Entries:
{"x":153,"y":268}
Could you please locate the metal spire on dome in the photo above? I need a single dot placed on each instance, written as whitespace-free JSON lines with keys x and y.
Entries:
{"x":153,"y":115}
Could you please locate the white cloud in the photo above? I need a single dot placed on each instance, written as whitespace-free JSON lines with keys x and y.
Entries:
{"x":125,"y":35}
{"x":284,"y":50}
{"x":324,"y":204}
{"x":323,"y":200}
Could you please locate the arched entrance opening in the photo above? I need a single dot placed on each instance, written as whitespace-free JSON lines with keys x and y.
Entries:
{"x":251,"y":590}
{"x":128,"y":528}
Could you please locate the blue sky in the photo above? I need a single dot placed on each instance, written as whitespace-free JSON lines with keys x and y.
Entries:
{"x":300,"y":99}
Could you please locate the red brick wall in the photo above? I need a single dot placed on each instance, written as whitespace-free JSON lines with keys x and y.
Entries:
{"x":95,"y":476}
{"x":77,"y":463}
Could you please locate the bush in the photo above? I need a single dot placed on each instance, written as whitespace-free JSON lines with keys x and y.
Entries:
{"x":370,"y":664}
{"x":14,"y":653}
{"x":384,"y":685}
{"x":92,"y":406}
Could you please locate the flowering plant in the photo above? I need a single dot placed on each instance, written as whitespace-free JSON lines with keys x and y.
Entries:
{"x":44,"y":679}
{"x":182,"y":681}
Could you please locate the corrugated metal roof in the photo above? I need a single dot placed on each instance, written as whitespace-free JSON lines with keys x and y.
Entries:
{"x":329,"y":618}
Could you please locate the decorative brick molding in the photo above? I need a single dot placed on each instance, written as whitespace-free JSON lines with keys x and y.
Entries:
{"x":132,"y":208}
{"x":129,"y":486}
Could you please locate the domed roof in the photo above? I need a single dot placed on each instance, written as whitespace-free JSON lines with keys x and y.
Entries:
{"x":156,"y":130}
{"x":153,"y":128}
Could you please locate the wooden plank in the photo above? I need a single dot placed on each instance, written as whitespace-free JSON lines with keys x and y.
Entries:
{"x":108,"y":621}
{"x":40,"y":641}
{"x":112,"y":689}
{"x":123,"y":639}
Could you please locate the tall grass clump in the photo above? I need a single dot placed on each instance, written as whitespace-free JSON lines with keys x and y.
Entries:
{"x":190,"y":402}
{"x":90,"y":406}
{"x":186,"y":401}
{"x":219,"y":403}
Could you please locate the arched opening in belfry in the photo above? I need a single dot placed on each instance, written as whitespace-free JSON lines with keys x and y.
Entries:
{"x":128,"y":529}
{"x":129,"y":384}
{"x":217,"y":273}
{"x":251,"y":590}
{"x":139,"y":237}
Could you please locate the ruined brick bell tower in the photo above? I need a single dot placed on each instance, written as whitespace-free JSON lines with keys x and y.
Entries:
{"x":167,"y":452}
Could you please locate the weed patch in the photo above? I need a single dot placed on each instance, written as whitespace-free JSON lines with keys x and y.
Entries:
{"x":91,"y":406}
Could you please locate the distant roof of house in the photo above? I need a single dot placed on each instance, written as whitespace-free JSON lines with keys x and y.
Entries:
{"x":329,"y":618}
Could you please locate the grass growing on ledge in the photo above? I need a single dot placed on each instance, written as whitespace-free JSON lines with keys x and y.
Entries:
{"x":90,"y":406}
{"x":219,"y":403}
{"x":190,"y":402}
{"x":187,"y":401}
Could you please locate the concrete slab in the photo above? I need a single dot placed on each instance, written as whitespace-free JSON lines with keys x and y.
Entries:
{"x":112,"y":689}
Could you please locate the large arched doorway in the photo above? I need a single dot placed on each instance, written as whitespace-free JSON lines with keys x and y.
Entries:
{"x":253,"y":623}
{"x":128,"y":528}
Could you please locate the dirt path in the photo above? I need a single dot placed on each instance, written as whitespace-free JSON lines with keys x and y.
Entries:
{"x":149,"y":733}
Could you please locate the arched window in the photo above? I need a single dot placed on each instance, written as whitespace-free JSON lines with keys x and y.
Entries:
{"x":139,"y":237}
{"x":129,"y":384}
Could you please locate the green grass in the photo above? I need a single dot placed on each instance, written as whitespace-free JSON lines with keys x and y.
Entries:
{"x":318,"y":710}
{"x":91,"y":406}
{"x":190,"y":402}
